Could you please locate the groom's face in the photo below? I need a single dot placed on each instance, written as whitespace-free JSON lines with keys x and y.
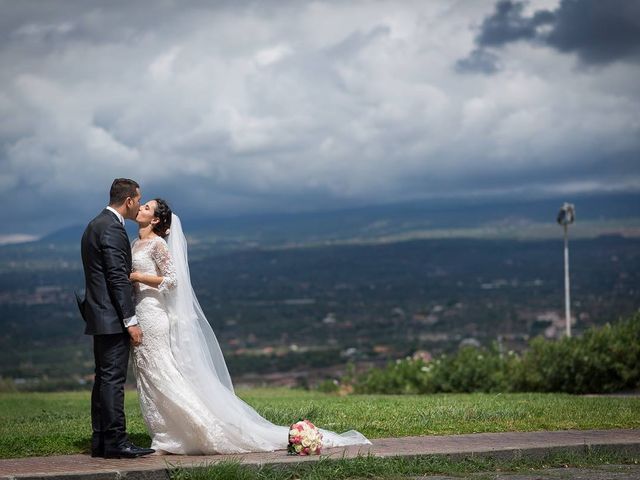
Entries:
{"x":133,"y":205}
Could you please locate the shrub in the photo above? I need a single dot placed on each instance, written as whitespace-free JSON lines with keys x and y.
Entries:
{"x":605,"y":359}
{"x":403,"y":376}
{"x":328,"y":386}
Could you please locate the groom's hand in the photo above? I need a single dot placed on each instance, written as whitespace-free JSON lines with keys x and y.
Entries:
{"x":136,"y":335}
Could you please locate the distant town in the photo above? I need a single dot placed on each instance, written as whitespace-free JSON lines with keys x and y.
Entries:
{"x":298,"y":316}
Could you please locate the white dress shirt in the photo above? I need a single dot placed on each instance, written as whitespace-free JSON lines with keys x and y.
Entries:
{"x":131,"y":321}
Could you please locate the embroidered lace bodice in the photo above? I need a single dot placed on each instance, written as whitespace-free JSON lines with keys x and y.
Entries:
{"x":152,"y":256}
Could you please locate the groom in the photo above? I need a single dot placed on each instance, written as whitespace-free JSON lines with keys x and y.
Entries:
{"x":109,"y":313}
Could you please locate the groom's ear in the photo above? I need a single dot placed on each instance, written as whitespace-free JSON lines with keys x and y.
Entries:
{"x":131,"y":201}
{"x":136,"y":197}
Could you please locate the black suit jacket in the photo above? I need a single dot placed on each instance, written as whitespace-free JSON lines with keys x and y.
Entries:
{"x":106,"y":258}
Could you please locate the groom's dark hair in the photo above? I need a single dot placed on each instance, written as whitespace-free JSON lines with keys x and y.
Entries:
{"x":121,"y":189}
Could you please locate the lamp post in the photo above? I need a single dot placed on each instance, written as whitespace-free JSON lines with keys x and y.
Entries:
{"x":566,"y":216}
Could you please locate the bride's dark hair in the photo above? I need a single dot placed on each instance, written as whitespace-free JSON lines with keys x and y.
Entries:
{"x":162,"y":213}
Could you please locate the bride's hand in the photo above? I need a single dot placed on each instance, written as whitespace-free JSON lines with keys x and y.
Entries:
{"x":134,"y":277}
{"x":135,"y":332}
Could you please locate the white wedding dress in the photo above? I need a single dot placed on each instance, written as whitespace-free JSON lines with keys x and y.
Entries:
{"x":186,"y":395}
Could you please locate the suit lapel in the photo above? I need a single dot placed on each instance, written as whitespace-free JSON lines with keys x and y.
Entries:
{"x":113,"y":216}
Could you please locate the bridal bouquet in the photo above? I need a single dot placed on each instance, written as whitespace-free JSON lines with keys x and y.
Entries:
{"x":304,"y":439}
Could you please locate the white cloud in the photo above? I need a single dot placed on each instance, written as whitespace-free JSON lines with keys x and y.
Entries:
{"x":286,"y":105}
{"x":42,"y":30}
{"x":16,"y":238}
{"x":269,"y":56}
{"x":162,"y":67}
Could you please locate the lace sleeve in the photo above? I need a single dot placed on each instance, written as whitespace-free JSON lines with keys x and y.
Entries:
{"x":164,"y":263}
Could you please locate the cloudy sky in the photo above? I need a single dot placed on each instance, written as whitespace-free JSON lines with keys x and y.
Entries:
{"x":232,"y":107}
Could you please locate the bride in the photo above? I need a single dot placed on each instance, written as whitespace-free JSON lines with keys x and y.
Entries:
{"x":185,"y":391}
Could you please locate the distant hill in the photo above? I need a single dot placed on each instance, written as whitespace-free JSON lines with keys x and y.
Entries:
{"x":73,"y":233}
{"x":420,"y":219}
{"x":365,"y":284}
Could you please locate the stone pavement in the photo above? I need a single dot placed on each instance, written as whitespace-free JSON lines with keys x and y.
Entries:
{"x":505,"y":445}
{"x":602,"y":472}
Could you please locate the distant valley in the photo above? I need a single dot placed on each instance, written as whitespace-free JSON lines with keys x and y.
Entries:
{"x":308,"y":293}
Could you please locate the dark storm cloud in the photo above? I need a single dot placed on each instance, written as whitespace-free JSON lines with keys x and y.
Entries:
{"x":508,"y":24}
{"x":479,"y":60}
{"x":598,"y":32}
{"x":237,"y":107}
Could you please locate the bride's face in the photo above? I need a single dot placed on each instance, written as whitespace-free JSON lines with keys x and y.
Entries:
{"x":146,"y":214}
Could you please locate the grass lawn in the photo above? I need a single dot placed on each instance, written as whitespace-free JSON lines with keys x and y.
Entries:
{"x":37,"y":424}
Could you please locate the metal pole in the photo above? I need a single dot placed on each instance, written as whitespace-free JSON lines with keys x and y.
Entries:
{"x":567,"y":303}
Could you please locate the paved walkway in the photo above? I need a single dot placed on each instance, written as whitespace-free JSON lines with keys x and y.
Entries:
{"x":507,"y":445}
{"x":602,"y":472}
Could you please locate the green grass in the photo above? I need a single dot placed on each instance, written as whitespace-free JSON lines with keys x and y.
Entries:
{"x":402,"y":467}
{"x":37,"y":424}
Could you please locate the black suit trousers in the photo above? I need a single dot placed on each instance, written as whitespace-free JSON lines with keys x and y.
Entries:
{"x":111,"y":354}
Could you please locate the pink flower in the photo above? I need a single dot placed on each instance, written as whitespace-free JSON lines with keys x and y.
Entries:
{"x":304,"y":438}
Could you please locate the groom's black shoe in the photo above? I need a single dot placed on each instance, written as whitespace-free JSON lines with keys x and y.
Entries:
{"x":97,"y":445}
{"x":127,"y":450}
{"x":97,"y":452}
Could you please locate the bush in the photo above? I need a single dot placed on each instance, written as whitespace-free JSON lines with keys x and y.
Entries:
{"x":328,"y":386}
{"x":403,"y":376}
{"x":470,"y":370}
{"x":605,"y":359}
{"x":473,"y":370}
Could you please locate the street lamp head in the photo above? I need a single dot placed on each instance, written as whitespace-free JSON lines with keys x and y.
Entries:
{"x":567,"y":214}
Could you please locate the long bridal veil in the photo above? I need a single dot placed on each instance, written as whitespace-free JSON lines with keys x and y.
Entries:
{"x":200,"y":361}
{"x":193,"y":343}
